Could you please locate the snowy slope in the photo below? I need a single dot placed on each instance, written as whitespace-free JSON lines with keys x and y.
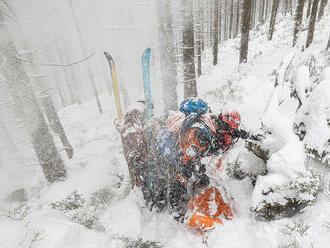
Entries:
{"x":99,"y":164}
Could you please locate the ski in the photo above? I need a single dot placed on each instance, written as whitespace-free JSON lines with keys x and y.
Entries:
{"x":147,"y":93}
{"x":116,"y":94}
{"x":146,"y":82}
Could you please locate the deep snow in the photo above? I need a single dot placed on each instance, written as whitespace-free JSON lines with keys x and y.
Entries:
{"x":98,"y":162}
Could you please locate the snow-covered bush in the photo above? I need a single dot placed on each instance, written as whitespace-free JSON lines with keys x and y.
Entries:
{"x":101,"y":198}
{"x":139,"y":243}
{"x":71,"y":202}
{"x":288,"y":186}
{"x":19,"y":212}
{"x":86,"y":218}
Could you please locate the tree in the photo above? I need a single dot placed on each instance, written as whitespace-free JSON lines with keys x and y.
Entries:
{"x":190,"y":88}
{"x":328,"y":45}
{"x":27,"y":106}
{"x":45,"y":100}
{"x":323,"y":4}
{"x":245,"y":31}
{"x":199,"y":38}
{"x":261,"y":12}
{"x":90,"y":74}
{"x":238,"y":12}
{"x":309,"y":6}
{"x":297,"y":20}
{"x":167,"y":52}
{"x":312,"y":21}
{"x":215,"y":32}
{"x":273,"y":18}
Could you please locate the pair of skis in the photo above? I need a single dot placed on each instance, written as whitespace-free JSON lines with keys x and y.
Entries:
{"x":147,"y":92}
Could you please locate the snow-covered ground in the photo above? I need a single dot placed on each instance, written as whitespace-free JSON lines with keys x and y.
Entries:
{"x":117,"y":215}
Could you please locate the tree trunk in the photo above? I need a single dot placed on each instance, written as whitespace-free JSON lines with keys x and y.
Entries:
{"x":27,"y":106}
{"x":328,"y":45}
{"x":215,"y":32}
{"x":190,"y":88}
{"x":245,"y":31}
{"x":167,"y":53}
{"x":231,"y":20}
{"x":323,"y":4}
{"x":261,"y":12}
{"x":297,"y":20}
{"x":266,"y":9}
{"x":238,"y":12}
{"x":273,"y":18}
{"x":199,"y":39}
{"x":309,"y":8}
{"x":311,"y":25}
{"x":90,"y":74}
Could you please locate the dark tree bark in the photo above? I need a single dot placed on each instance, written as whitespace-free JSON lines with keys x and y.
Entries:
{"x":27,"y":106}
{"x":245,"y":31}
{"x":215,"y":32}
{"x":297,"y":20}
{"x":167,"y":52}
{"x":261,"y":12}
{"x":231,"y":20}
{"x":309,"y":6}
{"x":328,"y":45}
{"x":323,"y":4}
{"x":266,"y":10}
{"x":273,"y":18}
{"x":199,"y":39}
{"x":311,"y":25}
{"x":238,"y":12}
{"x":290,"y":6}
{"x":190,"y":88}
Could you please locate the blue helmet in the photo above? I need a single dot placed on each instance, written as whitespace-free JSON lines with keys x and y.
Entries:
{"x":194,"y":105}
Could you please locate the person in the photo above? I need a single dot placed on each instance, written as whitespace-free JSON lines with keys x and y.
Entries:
{"x":174,"y":164}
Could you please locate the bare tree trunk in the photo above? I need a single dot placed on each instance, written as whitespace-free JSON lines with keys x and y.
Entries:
{"x":311,"y":25}
{"x":273,"y":18}
{"x":261,"y":13}
{"x":238,"y":12}
{"x":231,"y":20}
{"x":90,"y":74}
{"x":199,"y":38}
{"x":290,"y":6}
{"x":190,"y":88}
{"x":323,"y":4}
{"x":215,"y":32}
{"x":167,"y":52}
{"x":309,"y":8}
{"x":27,"y":106}
{"x":266,"y":10}
{"x":328,"y":45}
{"x":245,"y":31}
{"x":297,"y":20}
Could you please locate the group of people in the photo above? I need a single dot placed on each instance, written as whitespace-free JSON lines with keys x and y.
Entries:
{"x":166,"y":157}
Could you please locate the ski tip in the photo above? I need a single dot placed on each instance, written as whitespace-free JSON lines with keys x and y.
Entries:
{"x":108,"y":56}
{"x":147,"y":51}
{"x":146,"y":55}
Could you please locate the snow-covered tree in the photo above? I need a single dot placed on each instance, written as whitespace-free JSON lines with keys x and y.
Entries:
{"x":28,"y":109}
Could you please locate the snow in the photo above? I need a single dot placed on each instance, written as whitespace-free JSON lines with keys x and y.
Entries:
{"x":99,"y":162}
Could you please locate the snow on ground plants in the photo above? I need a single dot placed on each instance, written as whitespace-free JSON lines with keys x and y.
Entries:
{"x":95,"y":206}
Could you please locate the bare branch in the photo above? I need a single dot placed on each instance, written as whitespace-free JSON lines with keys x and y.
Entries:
{"x":40,"y":48}
{"x":50,"y":64}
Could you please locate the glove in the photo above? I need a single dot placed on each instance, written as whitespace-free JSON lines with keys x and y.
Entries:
{"x":257,"y":137}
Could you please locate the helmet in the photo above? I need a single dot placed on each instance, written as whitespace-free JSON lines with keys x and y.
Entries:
{"x":233,"y":119}
{"x":194,"y":105}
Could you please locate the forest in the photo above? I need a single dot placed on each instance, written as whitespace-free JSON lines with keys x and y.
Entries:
{"x":164,"y":123}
